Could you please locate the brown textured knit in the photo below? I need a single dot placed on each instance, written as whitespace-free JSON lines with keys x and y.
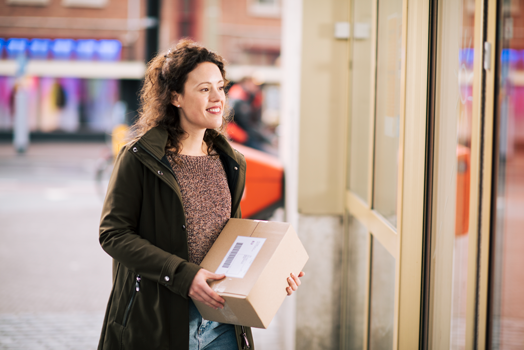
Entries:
{"x":206,"y":199}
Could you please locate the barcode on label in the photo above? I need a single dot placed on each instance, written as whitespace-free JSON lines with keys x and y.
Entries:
{"x":232,"y":255}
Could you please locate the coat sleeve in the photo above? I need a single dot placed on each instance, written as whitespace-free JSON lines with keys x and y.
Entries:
{"x":118,"y":236}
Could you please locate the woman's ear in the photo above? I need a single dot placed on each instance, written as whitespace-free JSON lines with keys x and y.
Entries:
{"x":175,"y":99}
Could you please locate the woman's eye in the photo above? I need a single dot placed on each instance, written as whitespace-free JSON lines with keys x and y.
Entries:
{"x":220,"y":88}
{"x":205,"y":89}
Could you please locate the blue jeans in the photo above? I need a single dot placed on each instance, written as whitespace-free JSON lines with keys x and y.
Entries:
{"x":209,"y":335}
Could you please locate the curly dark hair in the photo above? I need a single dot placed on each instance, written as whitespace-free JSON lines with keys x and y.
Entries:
{"x":167,"y":73}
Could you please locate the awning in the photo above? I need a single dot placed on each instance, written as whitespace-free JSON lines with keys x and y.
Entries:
{"x":77,"y":69}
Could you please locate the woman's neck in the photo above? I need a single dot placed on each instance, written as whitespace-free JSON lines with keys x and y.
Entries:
{"x":194,"y":145}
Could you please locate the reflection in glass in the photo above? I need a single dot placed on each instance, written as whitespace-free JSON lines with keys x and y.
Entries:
{"x":451,"y":174}
{"x":361,"y":64}
{"x":508,"y":273}
{"x":387,"y":113}
{"x":357,"y":259}
{"x":382,"y":301}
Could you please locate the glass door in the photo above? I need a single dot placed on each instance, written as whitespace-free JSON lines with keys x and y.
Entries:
{"x":450,"y":232}
{"x":506,"y":321}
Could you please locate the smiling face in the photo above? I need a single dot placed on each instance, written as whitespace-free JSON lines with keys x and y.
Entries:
{"x":201,"y":105}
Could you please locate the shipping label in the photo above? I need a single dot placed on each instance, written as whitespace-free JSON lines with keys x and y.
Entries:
{"x":240,"y":256}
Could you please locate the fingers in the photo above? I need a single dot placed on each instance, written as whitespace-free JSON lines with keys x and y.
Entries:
{"x":216,"y":302}
{"x":210,"y":295}
{"x":213,"y":276}
{"x":201,"y":291}
{"x":293,"y":286}
{"x":296,"y":279}
{"x":294,"y":282}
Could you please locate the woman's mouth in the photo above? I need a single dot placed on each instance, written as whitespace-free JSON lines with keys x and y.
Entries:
{"x":213,"y":110}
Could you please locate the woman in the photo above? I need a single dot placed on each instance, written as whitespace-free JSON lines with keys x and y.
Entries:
{"x":171,"y":192}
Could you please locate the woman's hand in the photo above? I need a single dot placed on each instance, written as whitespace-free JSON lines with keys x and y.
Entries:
{"x":293,"y":282}
{"x":201,"y":291}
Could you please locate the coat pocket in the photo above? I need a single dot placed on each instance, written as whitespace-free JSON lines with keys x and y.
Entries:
{"x":129,"y":306}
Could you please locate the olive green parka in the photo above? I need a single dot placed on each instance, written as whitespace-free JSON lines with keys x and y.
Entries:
{"x":143,"y":229}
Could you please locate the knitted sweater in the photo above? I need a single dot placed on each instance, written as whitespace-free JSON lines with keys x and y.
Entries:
{"x":206,"y":199}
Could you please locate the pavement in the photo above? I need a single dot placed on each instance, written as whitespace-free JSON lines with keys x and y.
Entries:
{"x":54,"y":277}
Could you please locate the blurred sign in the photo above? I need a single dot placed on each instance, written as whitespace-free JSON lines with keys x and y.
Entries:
{"x":16,"y":47}
{"x":63,"y":49}
{"x":109,"y":50}
{"x":85,"y":49}
{"x":39,"y":48}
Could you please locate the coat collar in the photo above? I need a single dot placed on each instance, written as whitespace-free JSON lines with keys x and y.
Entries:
{"x":155,"y":141}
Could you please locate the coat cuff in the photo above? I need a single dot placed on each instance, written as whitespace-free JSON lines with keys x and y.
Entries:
{"x":177,"y":275}
{"x":186,"y":272}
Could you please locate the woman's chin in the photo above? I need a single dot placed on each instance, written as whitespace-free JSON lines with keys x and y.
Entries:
{"x":216,"y":125}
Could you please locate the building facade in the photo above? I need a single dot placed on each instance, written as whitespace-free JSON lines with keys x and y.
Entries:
{"x":55,"y":54}
{"x":403,"y":137}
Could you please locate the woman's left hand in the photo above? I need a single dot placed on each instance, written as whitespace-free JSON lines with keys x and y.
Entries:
{"x":293,"y":282}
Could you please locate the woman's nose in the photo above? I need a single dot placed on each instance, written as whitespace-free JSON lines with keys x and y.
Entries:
{"x":216,"y":95}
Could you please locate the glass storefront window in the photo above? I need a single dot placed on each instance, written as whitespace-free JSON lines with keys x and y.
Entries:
{"x":451,"y":174}
{"x":382,"y":299}
{"x":507,"y":303}
{"x":387,"y":108}
{"x":361,"y":66}
{"x":357,"y":263}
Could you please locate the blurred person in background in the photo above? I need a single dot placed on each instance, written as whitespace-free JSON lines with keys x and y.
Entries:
{"x":246,"y":99}
{"x":172,"y":191}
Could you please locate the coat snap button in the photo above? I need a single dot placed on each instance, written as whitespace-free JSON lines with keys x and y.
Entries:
{"x":166,"y":278}
{"x":236,"y":168}
{"x":160,"y":173}
{"x":135,"y":149}
{"x":184,"y":227}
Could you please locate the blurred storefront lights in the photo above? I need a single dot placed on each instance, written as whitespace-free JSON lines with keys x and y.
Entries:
{"x":62,"y":48}
{"x":86,"y":48}
{"x":71,"y":84}
{"x":39,"y":48}
{"x":109,"y":50}
{"x":16,"y":47}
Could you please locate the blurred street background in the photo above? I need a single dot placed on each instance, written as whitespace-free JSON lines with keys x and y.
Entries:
{"x":55,"y":277}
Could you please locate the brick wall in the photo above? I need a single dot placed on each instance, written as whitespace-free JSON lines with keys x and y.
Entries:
{"x":243,"y":37}
{"x":109,"y":22}
{"x":248,"y":38}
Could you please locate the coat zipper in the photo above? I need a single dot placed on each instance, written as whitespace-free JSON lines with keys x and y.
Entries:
{"x":245,"y":342}
{"x":128,"y":308}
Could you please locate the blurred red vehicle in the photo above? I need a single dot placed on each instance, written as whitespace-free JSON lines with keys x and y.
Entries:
{"x":264,"y":190}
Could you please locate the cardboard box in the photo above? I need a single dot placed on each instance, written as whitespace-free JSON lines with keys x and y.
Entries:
{"x":257,"y":258}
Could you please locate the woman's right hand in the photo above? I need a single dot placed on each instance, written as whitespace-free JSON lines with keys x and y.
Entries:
{"x":201,"y":291}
